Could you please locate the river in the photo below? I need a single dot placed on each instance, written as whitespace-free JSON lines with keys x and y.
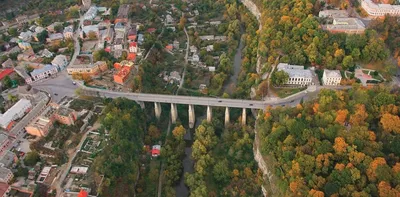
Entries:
{"x":230,"y":86}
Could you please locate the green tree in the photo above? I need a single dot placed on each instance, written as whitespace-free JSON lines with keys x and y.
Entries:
{"x":13,"y":31}
{"x":348,"y":62}
{"x":279,"y":78}
{"x":31,"y":158}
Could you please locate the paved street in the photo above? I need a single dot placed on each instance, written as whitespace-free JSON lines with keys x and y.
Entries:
{"x":63,"y":86}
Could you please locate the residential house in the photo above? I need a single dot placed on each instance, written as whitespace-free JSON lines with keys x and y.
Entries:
{"x":25,"y":36}
{"x":208,"y":37}
{"x":169,"y":20}
{"x":140,"y":39}
{"x":24,"y":45}
{"x":90,"y":29}
{"x":17,"y":111}
{"x":122,"y":75}
{"x":68,"y":32}
{"x":346,"y":25}
{"x":169,"y":47}
{"x":46,"y":53}
{"x":4,"y":189}
{"x":195,"y":58}
{"x":221,"y":38}
{"x":6,"y":175}
{"x":151,"y":30}
{"x":156,"y":150}
{"x":122,"y":64}
{"x":193,"y":49}
{"x":6,"y":72}
{"x":21,"y":19}
{"x":60,"y":61}
{"x":377,"y":10}
{"x":91,"y":13}
{"x":106,"y":35}
{"x":44,"y":72}
{"x":86,"y":4}
{"x":42,"y":124}
{"x":90,"y":69}
{"x":51,"y":27}
{"x":132,"y":34}
{"x":55,"y":37}
{"x":122,"y":15}
{"x":39,"y":29}
{"x":8,"y":63}
{"x":79,"y":170}
{"x":20,"y":70}
{"x":298,"y":76}
{"x":175,"y":44}
{"x":133,"y":47}
{"x":120,"y":27}
{"x":65,"y":115}
{"x":331,"y":77}
{"x":210,"y":48}
{"x":8,"y":159}
{"x":131,"y":57}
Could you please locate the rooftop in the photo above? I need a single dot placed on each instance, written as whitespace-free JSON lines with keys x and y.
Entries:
{"x":381,"y":6}
{"x":45,"y":68}
{"x":295,"y":71}
{"x":332,"y":73}
{"x":4,"y":172}
{"x":10,"y":113}
{"x":333,"y":13}
{"x":3,"y":138}
{"x":6,"y":72}
{"x":64,"y":111}
{"x":123,"y":11}
{"x":3,"y":188}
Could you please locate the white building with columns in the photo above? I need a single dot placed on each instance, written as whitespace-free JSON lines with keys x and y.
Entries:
{"x":297,"y":74}
{"x":374,"y":9}
{"x":331,"y":77}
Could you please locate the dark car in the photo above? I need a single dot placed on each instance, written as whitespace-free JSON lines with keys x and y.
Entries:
{"x":56,"y":94}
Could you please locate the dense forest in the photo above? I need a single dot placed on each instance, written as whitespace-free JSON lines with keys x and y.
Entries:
{"x":290,"y":31}
{"x":224,"y":165}
{"x":342,"y":144}
{"x":119,"y":162}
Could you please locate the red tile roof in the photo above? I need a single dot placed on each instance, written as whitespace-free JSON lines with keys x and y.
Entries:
{"x":83,"y":193}
{"x":6,"y":72}
{"x":169,"y":47}
{"x":131,"y":56}
{"x":3,"y":188}
{"x":132,"y":44}
{"x":151,"y":30}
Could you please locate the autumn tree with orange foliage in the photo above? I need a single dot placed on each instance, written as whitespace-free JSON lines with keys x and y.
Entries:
{"x":390,"y":123}
{"x":358,"y":118}
{"x":341,"y":116}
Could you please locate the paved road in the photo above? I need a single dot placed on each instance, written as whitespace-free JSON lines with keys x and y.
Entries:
{"x":63,"y":85}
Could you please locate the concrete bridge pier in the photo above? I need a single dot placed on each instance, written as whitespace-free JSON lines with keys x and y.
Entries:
{"x":209,"y":114}
{"x":141,"y":103}
{"x":244,"y":114}
{"x":227,"y":116}
{"x":157,"y":109}
{"x":192,"y":117}
{"x":174,"y":113}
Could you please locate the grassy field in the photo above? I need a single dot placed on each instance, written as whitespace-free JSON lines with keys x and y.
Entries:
{"x":285,"y":92}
